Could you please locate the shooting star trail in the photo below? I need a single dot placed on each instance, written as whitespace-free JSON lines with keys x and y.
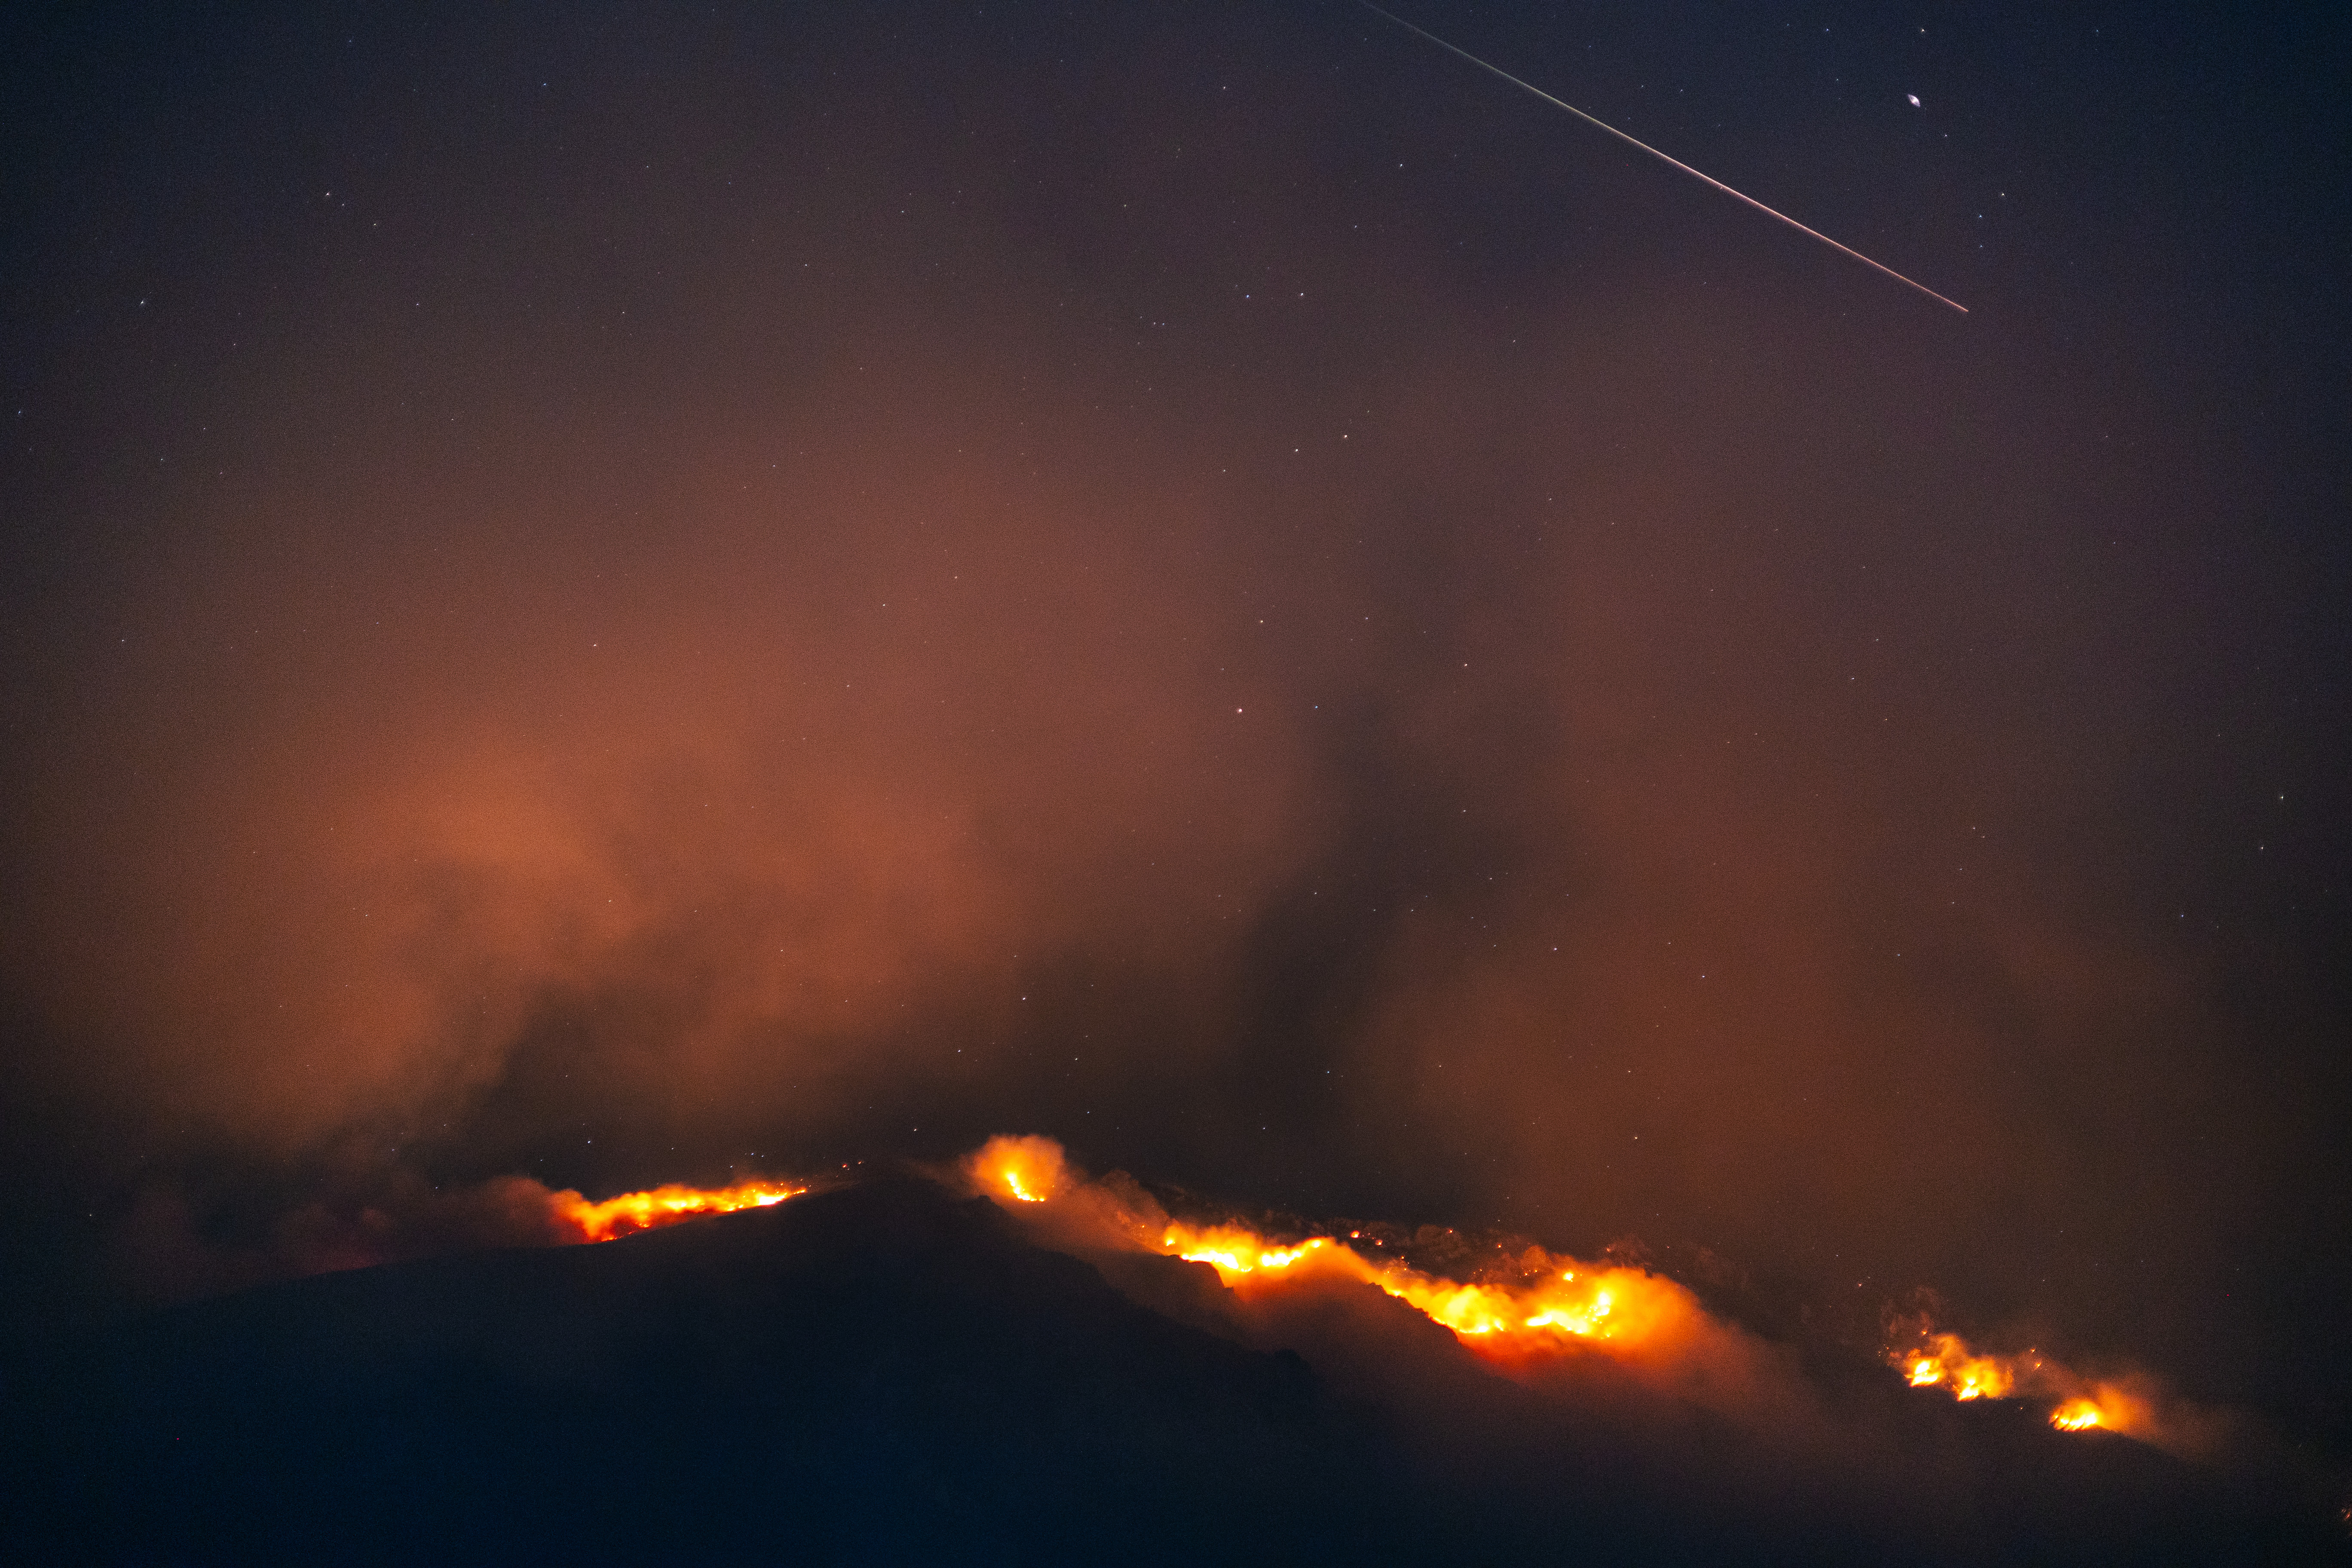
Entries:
{"x":1653,"y":152}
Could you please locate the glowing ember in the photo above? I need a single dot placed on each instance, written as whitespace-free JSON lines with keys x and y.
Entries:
{"x":662,"y":1206}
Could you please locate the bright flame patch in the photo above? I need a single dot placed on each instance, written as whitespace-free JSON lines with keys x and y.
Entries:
{"x":658,"y":1206}
{"x":2077,"y":1415}
{"x":1519,"y":1310}
{"x":1947,"y":1364}
{"x":1027,"y":1169}
{"x":1556,"y":1300}
{"x":1945,"y":1361}
{"x":1536,"y":1304}
{"x":1544,"y":1303}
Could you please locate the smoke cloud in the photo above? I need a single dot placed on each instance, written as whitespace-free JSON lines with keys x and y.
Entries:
{"x":774,"y":601}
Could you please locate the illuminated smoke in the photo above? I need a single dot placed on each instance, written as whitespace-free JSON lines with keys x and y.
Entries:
{"x":1027,"y":1170}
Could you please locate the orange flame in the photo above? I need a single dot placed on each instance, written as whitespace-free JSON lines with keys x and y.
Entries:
{"x":1535,"y":1304}
{"x":1945,"y":1361}
{"x":2110,"y":1409}
{"x":1948,"y":1363}
{"x":1550,"y":1302}
{"x":1555,"y":1300}
{"x":1520,"y":1309}
{"x":2077,"y":1415}
{"x":1027,"y":1170}
{"x":666,"y":1205}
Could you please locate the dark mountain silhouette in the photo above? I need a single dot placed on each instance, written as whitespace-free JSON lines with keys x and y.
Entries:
{"x":887,"y":1372}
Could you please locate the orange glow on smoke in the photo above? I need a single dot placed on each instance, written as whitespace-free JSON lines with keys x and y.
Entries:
{"x":666,"y":1205}
{"x":1027,"y":1169}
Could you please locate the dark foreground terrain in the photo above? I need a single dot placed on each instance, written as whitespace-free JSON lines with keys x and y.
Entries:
{"x":889,"y":1374}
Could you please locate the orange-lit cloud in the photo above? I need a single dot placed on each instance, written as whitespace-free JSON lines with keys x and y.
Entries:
{"x":866,"y":647}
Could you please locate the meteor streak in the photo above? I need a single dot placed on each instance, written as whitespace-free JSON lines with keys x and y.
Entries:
{"x":1653,"y":152}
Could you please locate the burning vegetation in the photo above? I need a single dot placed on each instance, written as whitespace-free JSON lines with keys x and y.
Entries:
{"x":1538,"y":1300}
{"x":1517,"y":1309}
{"x":1931,"y":1358}
{"x":1526,"y":1307}
{"x":665,"y":1204}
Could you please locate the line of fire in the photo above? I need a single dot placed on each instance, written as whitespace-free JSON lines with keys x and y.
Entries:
{"x":1542,"y":1305}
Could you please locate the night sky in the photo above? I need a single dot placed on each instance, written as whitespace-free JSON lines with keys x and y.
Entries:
{"x":622,"y":592}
